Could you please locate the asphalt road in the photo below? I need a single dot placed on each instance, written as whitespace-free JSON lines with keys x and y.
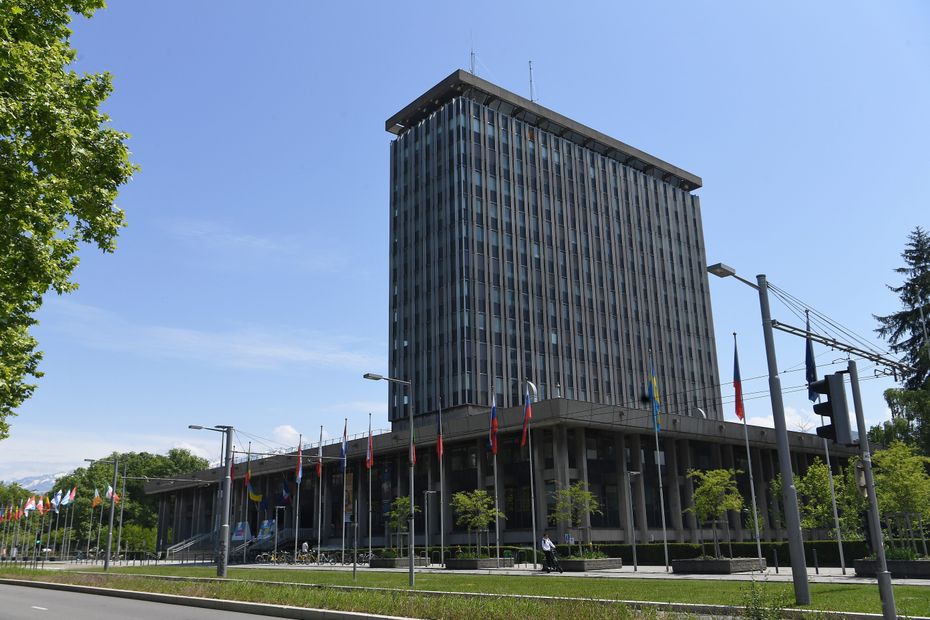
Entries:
{"x":21,"y":603}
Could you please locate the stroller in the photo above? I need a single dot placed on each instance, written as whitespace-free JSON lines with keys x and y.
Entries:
{"x":551,"y":562}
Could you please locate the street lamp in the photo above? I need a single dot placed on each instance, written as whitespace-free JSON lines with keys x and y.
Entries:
{"x":789,"y":492}
{"x":630,"y":477}
{"x":223,"y":559}
{"x":376,"y":377}
{"x":115,"y":463}
{"x":426,"y":495}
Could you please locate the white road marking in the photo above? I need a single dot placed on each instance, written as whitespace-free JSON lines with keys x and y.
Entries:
{"x":40,"y":608}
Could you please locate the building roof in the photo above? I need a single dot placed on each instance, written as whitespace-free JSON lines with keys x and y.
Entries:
{"x":462,"y":83}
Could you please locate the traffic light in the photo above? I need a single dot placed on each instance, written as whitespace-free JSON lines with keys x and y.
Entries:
{"x":834,"y":407}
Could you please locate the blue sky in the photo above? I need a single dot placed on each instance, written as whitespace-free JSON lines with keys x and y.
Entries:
{"x":250,"y":287}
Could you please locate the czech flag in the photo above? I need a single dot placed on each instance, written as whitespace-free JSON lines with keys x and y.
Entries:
{"x":492,"y":438}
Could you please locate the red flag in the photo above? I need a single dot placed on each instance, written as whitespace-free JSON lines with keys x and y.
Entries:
{"x":493,"y":433}
{"x":370,"y":456}
{"x":527,"y":416}
{"x":440,"y":448}
{"x":737,"y":383}
{"x":319,"y":456}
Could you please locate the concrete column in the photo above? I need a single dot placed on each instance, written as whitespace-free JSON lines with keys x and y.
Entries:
{"x":540,"y":489}
{"x":685,"y":446}
{"x":620,"y":448}
{"x":673,"y":488}
{"x":639,"y":492}
{"x":762,"y":487}
{"x":729,"y":462}
{"x":560,"y":450}
{"x":582,"y":439}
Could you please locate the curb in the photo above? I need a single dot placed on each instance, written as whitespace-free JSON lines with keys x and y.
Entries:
{"x":301,"y":613}
{"x":266,"y":609}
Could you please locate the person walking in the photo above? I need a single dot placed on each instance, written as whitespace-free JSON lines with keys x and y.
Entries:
{"x":548,"y":547}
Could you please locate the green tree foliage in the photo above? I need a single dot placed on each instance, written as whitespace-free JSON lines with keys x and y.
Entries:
{"x":60,"y":168}
{"x":901,"y":480}
{"x":140,"y":510}
{"x":11,"y":494}
{"x":399,"y":515}
{"x":475,"y":510}
{"x":715,"y":492}
{"x":573,"y":504}
{"x":814,"y":497}
{"x":910,"y":420}
{"x":138,"y":538}
{"x":850,"y":502}
{"x":905,"y":330}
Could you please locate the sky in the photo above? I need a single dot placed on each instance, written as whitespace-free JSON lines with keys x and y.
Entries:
{"x":250,"y":285}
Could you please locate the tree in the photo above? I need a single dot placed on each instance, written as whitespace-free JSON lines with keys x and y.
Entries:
{"x":910,"y":420}
{"x":814,"y":497}
{"x":475,"y":511}
{"x":60,"y":168}
{"x":573,"y":504}
{"x":715,"y":493}
{"x":399,"y":515}
{"x":901,"y":480}
{"x":850,"y":502}
{"x":907,"y":329}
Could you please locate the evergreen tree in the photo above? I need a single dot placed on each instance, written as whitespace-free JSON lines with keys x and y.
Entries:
{"x":907,"y":329}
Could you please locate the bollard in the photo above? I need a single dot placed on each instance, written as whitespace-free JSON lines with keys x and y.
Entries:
{"x":816,"y":563}
{"x":775,"y":555}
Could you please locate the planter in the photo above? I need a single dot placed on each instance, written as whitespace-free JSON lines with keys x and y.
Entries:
{"x":395,"y":562}
{"x":899,"y":569}
{"x":477,"y":563}
{"x":721,"y":566}
{"x":578,"y":566}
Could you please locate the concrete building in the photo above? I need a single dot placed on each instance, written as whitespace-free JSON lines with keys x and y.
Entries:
{"x":524,"y":245}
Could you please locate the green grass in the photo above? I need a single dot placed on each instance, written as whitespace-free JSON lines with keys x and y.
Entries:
{"x":911,"y":600}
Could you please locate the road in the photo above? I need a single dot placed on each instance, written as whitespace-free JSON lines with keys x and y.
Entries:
{"x":23,"y":603}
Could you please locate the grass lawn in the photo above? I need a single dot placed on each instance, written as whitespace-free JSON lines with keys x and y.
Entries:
{"x":911,"y":600}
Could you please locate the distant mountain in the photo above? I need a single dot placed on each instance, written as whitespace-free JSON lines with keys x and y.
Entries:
{"x":39,"y":484}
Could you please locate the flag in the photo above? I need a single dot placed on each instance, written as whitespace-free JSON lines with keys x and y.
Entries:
{"x":96,"y":500}
{"x":654,"y":395}
{"x":30,"y":506}
{"x":737,"y":383}
{"x":299,"y":474}
{"x":68,"y":498}
{"x":370,"y":455}
{"x":40,"y":505}
{"x":285,"y":496}
{"x":492,"y":436}
{"x":111,"y":493}
{"x":255,"y":497}
{"x":319,"y":458}
{"x":345,"y":444}
{"x":810,"y":366}
{"x":527,"y":416}
{"x":56,"y":501}
{"x":440,"y":446}
{"x":413,"y":447}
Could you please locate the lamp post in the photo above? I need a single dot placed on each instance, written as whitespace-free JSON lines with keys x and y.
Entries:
{"x":426,"y":495}
{"x":789,"y":492}
{"x":376,"y":377}
{"x":223,"y":559}
{"x":276,"y":509}
{"x":115,"y":463}
{"x":630,"y":477}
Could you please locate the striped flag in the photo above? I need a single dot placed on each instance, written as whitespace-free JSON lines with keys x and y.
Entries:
{"x":737,"y":383}
{"x":345,"y":444}
{"x":370,"y":455}
{"x":96,"y":500}
{"x":527,"y":416}
{"x":299,"y":474}
{"x":319,"y":457}
{"x":492,"y":436}
{"x":653,"y":390}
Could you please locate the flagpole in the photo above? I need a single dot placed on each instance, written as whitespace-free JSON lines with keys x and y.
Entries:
{"x":300,"y":466}
{"x":442,"y":500}
{"x":99,"y":527}
{"x":655,"y":426}
{"x":245,"y":505}
{"x":836,"y":518}
{"x":319,"y":490}
{"x":497,"y":519}
{"x":344,"y":468}
{"x":48,"y":536}
{"x":372,"y":458}
{"x":741,"y":414}
{"x":529,"y":438}
{"x":122,"y":507}
{"x":57,"y":520}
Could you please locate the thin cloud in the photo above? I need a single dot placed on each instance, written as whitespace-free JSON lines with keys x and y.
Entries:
{"x":253,"y":347}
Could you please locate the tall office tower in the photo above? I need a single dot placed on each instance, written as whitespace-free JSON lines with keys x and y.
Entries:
{"x":525,"y":245}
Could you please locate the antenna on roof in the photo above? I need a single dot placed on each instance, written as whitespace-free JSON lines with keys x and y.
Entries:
{"x":472,"y":65}
{"x":532,"y":94}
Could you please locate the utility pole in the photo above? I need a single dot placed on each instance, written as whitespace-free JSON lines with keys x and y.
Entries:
{"x":885,"y":590}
